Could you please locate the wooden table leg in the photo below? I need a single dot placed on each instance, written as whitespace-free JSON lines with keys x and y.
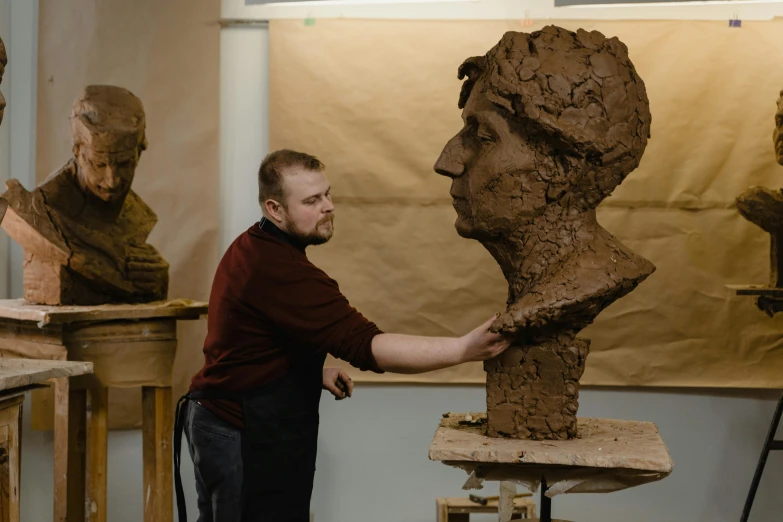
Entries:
{"x":157,"y":427}
{"x":97,"y":448}
{"x":10,"y":438}
{"x":508,"y":491}
{"x":14,"y":461}
{"x":69,"y":451}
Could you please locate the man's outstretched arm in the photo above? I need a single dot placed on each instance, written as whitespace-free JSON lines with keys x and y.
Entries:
{"x":417,"y":354}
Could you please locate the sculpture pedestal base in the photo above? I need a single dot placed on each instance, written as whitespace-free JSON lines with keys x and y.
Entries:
{"x":129,"y":346}
{"x":533,"y":390}
{"x":609,"y":455}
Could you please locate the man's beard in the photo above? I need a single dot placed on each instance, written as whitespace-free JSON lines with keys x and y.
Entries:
{"x":319,"y":235}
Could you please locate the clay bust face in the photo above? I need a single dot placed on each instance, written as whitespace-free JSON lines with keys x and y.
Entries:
{"x":3,"y":63}
{"x":491,"y":160}
{"x":108,"y":176}
{"x":108,"y":130}
{"x":553,"y":122}
{"x":778,"y":134}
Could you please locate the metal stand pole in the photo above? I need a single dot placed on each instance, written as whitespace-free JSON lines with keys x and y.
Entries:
{"x":546,"y":503}
{"x":769,"y":445}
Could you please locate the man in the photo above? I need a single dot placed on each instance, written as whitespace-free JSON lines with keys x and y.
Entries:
{"x":252,"y":418}
{"x":84,"y":230}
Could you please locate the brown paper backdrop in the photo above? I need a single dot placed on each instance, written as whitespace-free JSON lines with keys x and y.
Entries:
{"x":167,"y":53}
{"x":377,"y":100}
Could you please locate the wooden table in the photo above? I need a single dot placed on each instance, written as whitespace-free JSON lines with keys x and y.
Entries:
{"x":609,"y":455}
{"x":17,"y":376}
{"x":129,"y":346}
{"x":459,"y":509}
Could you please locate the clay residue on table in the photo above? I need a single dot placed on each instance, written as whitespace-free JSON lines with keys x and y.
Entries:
{"x":601,"y":443}
{"x":554,"y":120}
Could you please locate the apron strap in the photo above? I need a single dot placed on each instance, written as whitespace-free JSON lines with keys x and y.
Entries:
{"x":179,"y":424}
{"x":179,"y":427}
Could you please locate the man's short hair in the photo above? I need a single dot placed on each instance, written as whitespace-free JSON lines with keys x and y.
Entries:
{"x":275,"y":165}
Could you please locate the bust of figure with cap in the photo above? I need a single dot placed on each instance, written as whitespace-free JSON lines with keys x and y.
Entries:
{"x":83,"y":230}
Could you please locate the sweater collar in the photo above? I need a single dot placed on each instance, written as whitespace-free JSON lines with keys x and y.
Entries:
{"x":271,"y":229}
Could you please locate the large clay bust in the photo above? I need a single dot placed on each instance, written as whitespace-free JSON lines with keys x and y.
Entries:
{"x":764,"y":207}
{"x":553,"y":122}
{"x":83,"y":230}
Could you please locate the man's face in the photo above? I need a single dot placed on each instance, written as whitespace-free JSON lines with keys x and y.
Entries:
{"x":308,"y":210}
{"x":778,"y":135}
{"x":496,"y":185}
{"x":108,"y":176}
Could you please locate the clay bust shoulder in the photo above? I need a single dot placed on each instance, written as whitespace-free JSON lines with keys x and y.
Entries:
{"x":579,"y":289}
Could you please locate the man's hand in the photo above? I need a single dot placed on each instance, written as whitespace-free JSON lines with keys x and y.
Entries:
{"x":482,"y":344}
{"x":338,"y":383}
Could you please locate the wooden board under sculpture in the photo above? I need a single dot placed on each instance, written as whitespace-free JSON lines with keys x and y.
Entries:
{"x":553,"y":122}
{"x":83,"y":230}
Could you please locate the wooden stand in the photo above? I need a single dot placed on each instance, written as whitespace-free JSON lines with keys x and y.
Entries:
{"x":129,"y":346}
{"x":609,"y":455}
{"x":769,"y":299}
{"x":17,"y":376}
{"x":459,"y":509}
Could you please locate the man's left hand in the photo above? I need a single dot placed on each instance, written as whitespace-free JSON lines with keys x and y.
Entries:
{"x":338,"y":383}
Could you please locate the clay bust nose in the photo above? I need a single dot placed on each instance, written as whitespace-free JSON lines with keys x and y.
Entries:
{"x":449,"y":164}
{"x":111,"y":180}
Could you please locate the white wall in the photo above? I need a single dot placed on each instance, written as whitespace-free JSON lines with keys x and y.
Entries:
{"x":501,"y":9}
{"x":372,"y":461}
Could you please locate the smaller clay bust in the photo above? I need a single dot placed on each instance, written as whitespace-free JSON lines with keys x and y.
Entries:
{"x":83,"y":230}
{"x":764,"y":207}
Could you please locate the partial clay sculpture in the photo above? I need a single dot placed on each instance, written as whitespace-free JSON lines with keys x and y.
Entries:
{"x":553,"y":122}
{"x":83,"y":230}
{"x":764,"y":207}
{"x":3,"y":63}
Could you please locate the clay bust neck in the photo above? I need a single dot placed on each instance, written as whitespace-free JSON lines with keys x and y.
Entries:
{"x":538,"y":249}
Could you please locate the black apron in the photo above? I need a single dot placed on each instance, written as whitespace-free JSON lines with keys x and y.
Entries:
{"x":279,"y":444}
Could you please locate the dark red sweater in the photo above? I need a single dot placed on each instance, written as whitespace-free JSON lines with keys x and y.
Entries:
{"x":269,"y":304}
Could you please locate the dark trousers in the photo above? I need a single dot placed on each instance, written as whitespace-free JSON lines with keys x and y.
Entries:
{"x":266,"y":477}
